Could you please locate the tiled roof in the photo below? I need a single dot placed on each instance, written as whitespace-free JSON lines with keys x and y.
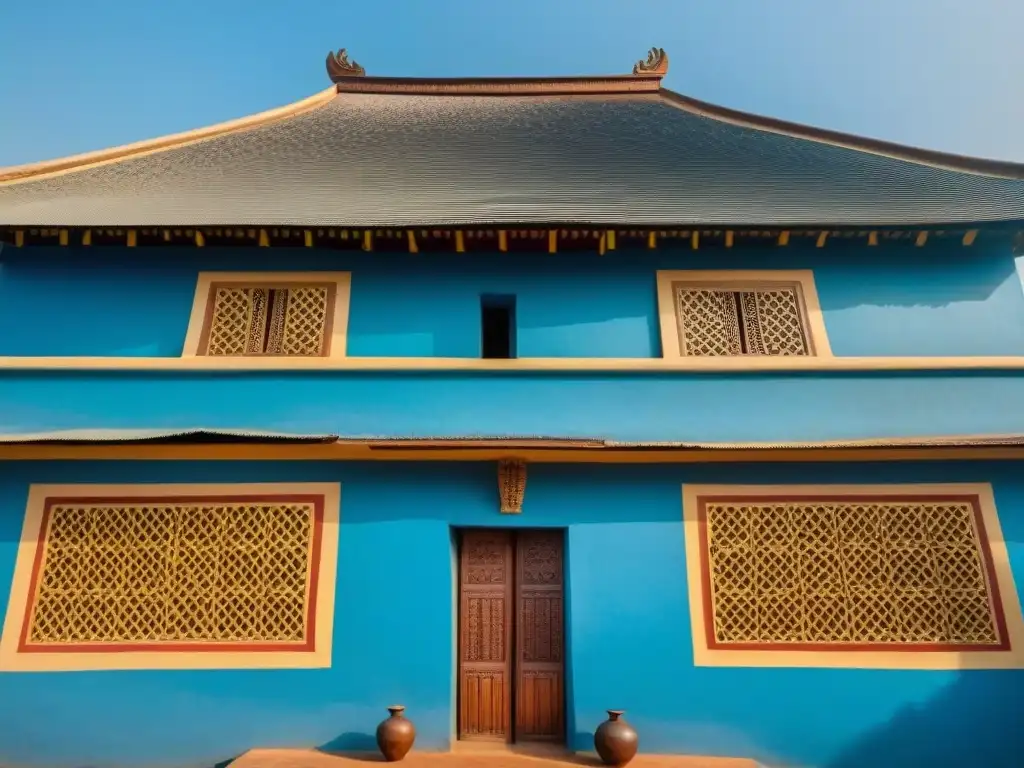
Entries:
{"x":162,"y":436}
{"x":416,"y":157}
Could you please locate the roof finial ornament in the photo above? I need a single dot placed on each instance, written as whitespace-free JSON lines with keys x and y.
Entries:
{"x":339,"y":66}
{"x":655,"y":64}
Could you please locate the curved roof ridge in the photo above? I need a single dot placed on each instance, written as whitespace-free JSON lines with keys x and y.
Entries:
{"x":617,"y":151}
{"x":47,"y":168}
{"x":934,"y":158}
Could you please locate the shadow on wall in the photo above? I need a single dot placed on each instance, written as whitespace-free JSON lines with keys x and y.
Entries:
{"x":892,"y":277}
{"x":352,"y":741}
{"x":977,"y":720}
{"x":353,"y":744}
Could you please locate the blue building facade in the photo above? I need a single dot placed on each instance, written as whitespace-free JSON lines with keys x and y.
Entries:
{"x":512,"y":444}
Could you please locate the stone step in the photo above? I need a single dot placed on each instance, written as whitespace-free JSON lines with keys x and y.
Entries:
{"x":470,"y":757}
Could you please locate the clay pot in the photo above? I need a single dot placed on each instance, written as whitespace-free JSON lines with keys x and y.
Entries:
{"x":395,"y":735}
{"x":615,"y":740}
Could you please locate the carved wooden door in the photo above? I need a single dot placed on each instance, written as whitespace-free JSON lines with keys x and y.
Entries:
{"x":539,"y":693}
{"x":485,"y":635}
{"x":511,"y":636}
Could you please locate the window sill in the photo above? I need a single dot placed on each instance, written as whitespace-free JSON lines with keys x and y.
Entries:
{"x":535,"y":364}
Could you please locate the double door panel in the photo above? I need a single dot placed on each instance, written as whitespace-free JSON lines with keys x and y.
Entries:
{"x":511,"y":635}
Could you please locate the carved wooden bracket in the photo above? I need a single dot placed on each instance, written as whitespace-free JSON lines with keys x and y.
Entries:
{"x":655,"y":64}
{"x":511,"y":485}
{"x":338,"y":66}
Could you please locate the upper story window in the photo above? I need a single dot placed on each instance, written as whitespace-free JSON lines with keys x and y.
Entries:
{"x":736,"y":313}
{"x":287,"y":314}
{"x":498,"y":327}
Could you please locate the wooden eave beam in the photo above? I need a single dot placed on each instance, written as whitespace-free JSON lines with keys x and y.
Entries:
{"x":550,"y":239}
{"x":342,"y":451}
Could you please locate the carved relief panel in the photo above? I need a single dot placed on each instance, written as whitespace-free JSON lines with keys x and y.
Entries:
{"x":539,"y":635}
{"x":485,"y":634}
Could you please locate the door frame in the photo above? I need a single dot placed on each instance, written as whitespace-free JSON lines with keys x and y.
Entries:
{"x":457,"y":538}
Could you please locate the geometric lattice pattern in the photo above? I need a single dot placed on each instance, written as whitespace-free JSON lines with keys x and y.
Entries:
{"x":267,"y":320}
{"x":886,"y":572}
{"x":763,"y":321}
{"x":169,"y":572}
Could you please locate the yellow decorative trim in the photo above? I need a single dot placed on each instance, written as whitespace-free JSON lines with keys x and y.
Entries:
{"x":339,"y":327}
{"x":413,"y":247}
{"x":670,"y":343}
{"x":695,"y":240}
{"x":729,"y":235}
{"x":460,"y":241}
{"x":264,"y":241}
{"x":87,"y":237}
{"x":62,"y":237}
{"x":200,"y":240}
{"x":921,"y":239}
{"x":307,"y":238}
{"x":19,"y":238}
{"x":784,"y":238}
{"x":13,"y":661}
{"x":822,"y":239}
{"x":706,"y":657}
{"x":872,"y":239}
{"x":132,"y":238}
{"x":362,"y":452}
{"x":611,"y":239}
{"x":51,"y":168}
{"x":553,"y":241}
{"x":502,"y":240}
{"x":970,"y":236}
{"x":653,"y":365}
{"x":652,"y":240}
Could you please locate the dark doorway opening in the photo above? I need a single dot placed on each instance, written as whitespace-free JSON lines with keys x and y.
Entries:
{"x":498,"y":326}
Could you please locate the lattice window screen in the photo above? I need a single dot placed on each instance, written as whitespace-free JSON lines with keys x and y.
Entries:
{"x":886,"y":572}
{"x":268,"y":320}
{"x":222,"y":572}
{"x":717,"y":321}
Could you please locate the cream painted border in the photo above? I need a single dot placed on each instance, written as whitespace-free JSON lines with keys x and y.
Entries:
{"x":670,"y":346}
{"x":339,"y":328}
{"x":13,"y":661}
{"x":706,"y":657}
{"x":650,"y":365}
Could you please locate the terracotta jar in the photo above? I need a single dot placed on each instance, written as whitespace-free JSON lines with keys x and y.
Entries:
{"x":395,"y":735}
{"x":615,"y":740}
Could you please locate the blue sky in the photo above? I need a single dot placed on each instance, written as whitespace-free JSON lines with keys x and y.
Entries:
{"x":943,"y":74}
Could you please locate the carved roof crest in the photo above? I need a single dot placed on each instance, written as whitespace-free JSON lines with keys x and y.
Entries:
{"x":656,"y":63}
{"x":339,"y":66}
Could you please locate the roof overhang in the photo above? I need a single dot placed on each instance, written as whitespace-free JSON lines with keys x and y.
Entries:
{"x":649,"y":190}
{"x":258,"y":445}
{"x":526,"y":237}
